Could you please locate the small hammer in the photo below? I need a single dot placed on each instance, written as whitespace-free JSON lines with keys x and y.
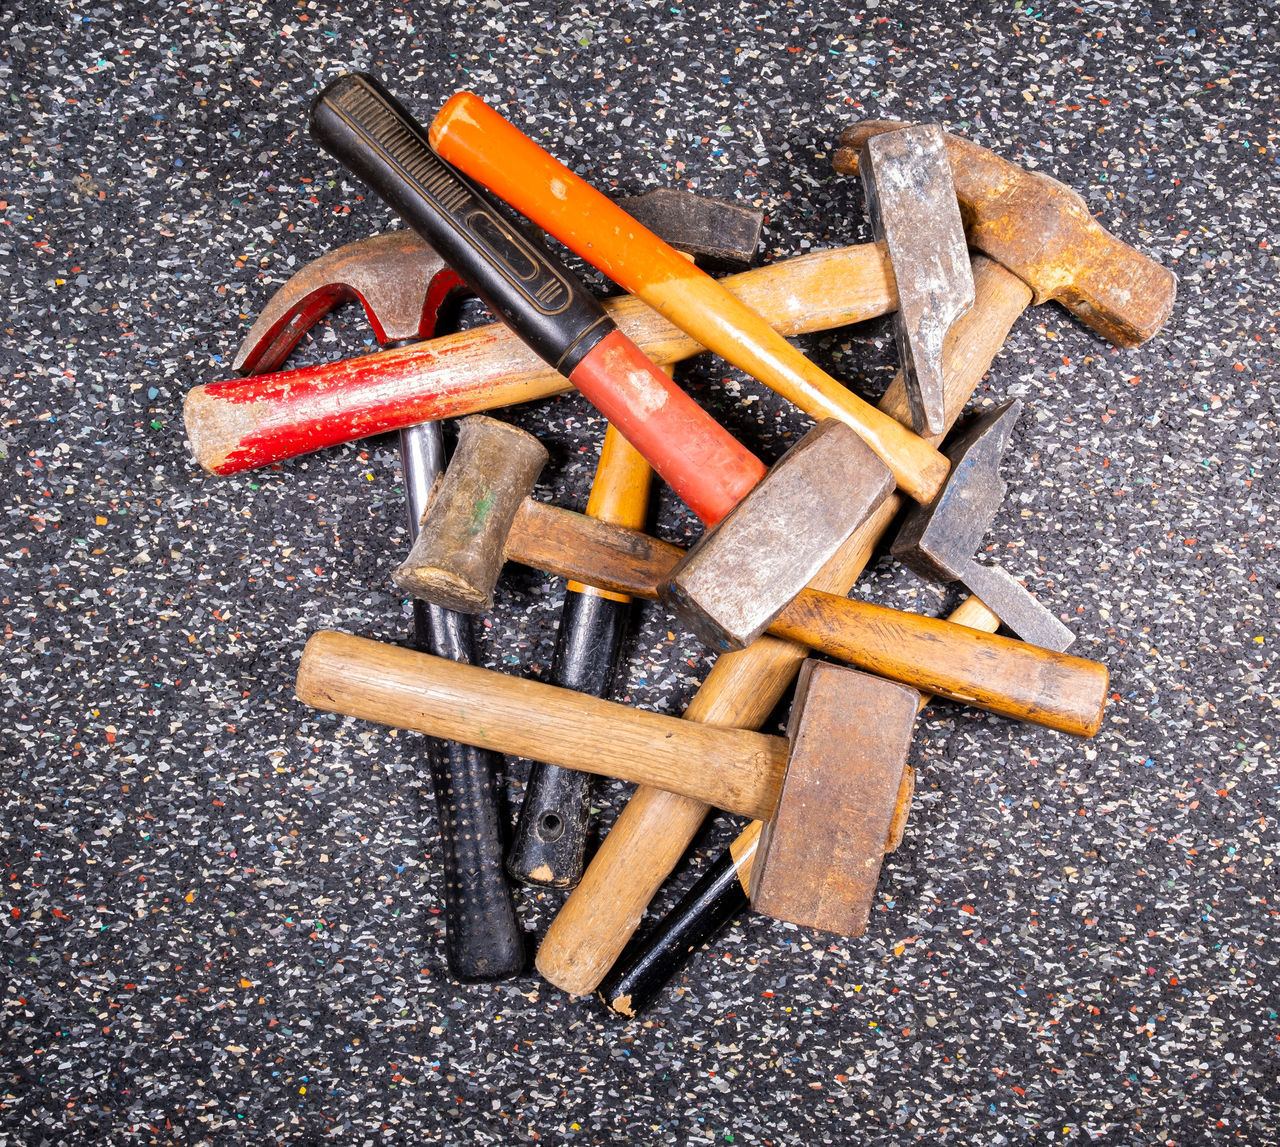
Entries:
{"x":827,"y":793}
{"x":481,"y":516}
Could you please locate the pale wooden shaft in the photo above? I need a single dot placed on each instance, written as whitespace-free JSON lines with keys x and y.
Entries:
{"x":733,"y":769}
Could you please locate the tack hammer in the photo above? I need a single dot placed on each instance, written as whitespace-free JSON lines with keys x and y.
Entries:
{"x":826,"y":792}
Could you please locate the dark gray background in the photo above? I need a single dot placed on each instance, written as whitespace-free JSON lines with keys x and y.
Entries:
{"x":221,"y":910}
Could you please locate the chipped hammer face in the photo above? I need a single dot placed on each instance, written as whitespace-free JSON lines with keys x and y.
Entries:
{"x":939,"y":540}
{"x":911,"y":200}
{"x":745,"y":570}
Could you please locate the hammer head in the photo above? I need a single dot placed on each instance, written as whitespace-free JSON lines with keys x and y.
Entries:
{"x":937,"y":540}
{"x":459,"y":551}
{"x":1043,"y":232}
{"x":819,"y":857}
{"x":911,"y":200}
{"x":744,"y":571}
{"x":400,"y":281}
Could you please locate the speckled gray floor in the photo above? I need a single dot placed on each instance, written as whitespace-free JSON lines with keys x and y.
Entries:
{"x":222,"y":911}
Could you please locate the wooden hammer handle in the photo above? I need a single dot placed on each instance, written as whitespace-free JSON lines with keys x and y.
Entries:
{"x":473,"y":137}
{"x":655,"y":828}
{"x":244,"y":423}
{"x":734,"y":769}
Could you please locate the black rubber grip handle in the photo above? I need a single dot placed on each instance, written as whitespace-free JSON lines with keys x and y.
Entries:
{"x":366,"y":129}
{"x":483,"y":937}
{"x":647,"y":964}
{"x":551,"y":835}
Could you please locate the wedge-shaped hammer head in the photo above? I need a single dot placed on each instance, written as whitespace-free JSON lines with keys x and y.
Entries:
{"x":939,"y":540}
{"x":911,"y":200}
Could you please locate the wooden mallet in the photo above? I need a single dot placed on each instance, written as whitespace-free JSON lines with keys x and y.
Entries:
{"x":827,"y":792}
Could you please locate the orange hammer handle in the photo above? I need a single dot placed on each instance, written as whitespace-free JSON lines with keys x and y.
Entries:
{"x":473,"y":137}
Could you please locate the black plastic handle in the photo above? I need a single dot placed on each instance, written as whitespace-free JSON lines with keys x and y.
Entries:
{"x":483,"y":937}
{"x":551,"y":835}
{"x":366,"y":129}
{"x":647,"y":964}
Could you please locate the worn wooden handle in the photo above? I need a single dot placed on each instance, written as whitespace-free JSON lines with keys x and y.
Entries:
{"x":734,"y":769}
{"x":473,"y":137}
{"x":655,"y":828}
{"x":241,"y":424}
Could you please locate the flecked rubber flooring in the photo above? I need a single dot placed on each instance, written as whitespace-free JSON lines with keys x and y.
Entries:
{"x":222,"y":911}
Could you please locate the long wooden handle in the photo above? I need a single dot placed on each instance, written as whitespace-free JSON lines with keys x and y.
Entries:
{"x":550,"y":839}
{"x":999,"y":674}
{"x":473,"y":137}
{"x":734,"y":769}
{"x":241,"y":424}
{"x":722,"y":892}
{"x":655,"y":828}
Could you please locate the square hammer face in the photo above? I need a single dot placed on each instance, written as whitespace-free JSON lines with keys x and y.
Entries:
{"x":744,"y":571}
{"x":819,"y":857}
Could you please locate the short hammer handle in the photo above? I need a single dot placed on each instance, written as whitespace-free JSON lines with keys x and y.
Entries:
{"x":733,"y":769}
{"x":471,"y":135}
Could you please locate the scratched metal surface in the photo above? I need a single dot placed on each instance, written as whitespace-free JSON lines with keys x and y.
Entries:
{"x":222,"y":911}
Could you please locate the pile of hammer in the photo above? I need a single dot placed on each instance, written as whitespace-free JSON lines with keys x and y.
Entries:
{"x":965,"y":242}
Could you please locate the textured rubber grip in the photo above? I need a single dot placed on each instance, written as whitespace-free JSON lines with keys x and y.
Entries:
{"x":551,"y":833}
{"x":365,"y":128}
{"x":483,"y":937}
{"x":645,"y":966}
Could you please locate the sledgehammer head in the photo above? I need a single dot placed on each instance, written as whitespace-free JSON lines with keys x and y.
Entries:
{"x":820,"y":853}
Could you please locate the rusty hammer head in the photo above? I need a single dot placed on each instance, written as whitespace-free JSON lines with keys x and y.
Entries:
{"x":728,"y":588}
{"x":1043,"y":232}
{"x":939,"y":540}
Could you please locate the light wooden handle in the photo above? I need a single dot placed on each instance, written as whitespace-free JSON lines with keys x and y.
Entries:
{"x":241,"y":424}
{"x":473,"y":137}
{"x":734,"y":769}
{"x":654,"y":829}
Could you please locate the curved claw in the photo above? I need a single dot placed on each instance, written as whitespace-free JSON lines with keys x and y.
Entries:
{"x":399,"y":280}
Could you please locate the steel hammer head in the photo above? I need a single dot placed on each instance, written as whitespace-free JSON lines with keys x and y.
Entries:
{"x":820,"y":853}
{"x":938,"y":539}
{"x":1043,"y":232}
